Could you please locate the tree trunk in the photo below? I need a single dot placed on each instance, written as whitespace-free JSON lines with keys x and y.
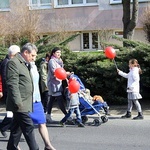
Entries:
{"x":129,"y":20}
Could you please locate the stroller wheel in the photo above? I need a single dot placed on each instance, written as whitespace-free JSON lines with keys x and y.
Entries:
{"x":104,"y":118}
{"x":84,"y":119}
{"x":97,"y":122}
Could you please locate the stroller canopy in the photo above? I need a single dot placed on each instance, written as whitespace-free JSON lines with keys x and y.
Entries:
{"x":82,"y":87}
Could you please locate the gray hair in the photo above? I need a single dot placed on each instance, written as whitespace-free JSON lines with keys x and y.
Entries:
{"x":13,"y":50}
{"x":29,"y":47}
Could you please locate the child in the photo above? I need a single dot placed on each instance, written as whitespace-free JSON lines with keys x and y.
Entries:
{"x":73,"y":107}
{"x":133,"y":88}
{"x":98,"y":98}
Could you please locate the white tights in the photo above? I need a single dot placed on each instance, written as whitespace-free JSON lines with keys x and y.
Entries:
{"x":137,"y":104}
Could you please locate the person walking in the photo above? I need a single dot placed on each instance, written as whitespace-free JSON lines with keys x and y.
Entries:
{"x":43,"y":81}
{"x":7,"y":121}
{"x":73,"y":107}
{"x":54,"y":84}
{"x":38,"y":115}
{"x":133,"y":88}
{"x":19,"y":97}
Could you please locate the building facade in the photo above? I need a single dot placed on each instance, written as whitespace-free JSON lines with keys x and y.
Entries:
{"x":95,"y":20}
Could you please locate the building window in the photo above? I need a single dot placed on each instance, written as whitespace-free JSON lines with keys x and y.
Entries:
{"x":90,"y":41}
{"x":95,"y":40}
{"x":91,"y":1}
{"x":74,"y":3}
{"x":77,"y":1}
{"x":4,"y":5}
{"x":40,"y":4}
{"x":120,"y":1}
{"x":85,"y":40}
{"x":62,"y":2}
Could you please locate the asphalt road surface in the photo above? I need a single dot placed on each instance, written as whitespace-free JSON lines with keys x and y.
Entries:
{"x":116,"y":134}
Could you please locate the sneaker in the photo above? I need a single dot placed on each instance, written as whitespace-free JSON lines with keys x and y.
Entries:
{"x":81,"y":125}
{"x":4,"y":134}
{"x":62,"y":124}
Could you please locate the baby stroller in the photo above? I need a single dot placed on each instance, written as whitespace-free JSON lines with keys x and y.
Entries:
{"x":86,"y":108}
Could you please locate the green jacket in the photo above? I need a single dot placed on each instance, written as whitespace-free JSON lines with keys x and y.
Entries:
{"x":19,"y":86}
{"x":43,"y":75}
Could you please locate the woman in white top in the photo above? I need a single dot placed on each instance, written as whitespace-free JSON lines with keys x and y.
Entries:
{"x":38,"y":116}
{"x":133,"y":88}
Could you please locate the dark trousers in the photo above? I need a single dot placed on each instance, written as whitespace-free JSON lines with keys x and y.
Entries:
{"x":44,"y":97}
{"x":60,"y":101}
{"x":6,"y":124}
{"x":22,"y":123}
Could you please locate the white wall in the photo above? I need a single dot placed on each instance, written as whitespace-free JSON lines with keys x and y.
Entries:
{"x":75,"y":45}
{"x":140,"y":35}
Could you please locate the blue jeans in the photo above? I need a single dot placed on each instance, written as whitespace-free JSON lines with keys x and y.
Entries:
{"x":70,"y":112}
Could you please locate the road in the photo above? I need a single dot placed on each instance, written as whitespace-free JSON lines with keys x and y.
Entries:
{"x":116,"y":134}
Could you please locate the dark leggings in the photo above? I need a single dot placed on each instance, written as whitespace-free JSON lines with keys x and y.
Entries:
{"x":60,"y":101}
{"x":44,"y":98}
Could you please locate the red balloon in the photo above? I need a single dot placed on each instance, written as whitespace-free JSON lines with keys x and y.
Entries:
{"x":60,"y":73}
{"x":110,"y":52}
{"x":74,"y":86}
{"x":71,"y":79}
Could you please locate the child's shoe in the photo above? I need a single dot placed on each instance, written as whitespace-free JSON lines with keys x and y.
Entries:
{"x":106,"y":110}
{"x":81,"y":125}
{"x":139,"y":116}
{"x":127,"y":115}
{"x":62,"y":124}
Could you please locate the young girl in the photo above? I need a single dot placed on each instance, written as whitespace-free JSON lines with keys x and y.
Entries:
{"x":133,"y":88}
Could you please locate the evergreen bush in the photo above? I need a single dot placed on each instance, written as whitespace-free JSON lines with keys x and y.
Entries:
{"x":97,"y":72}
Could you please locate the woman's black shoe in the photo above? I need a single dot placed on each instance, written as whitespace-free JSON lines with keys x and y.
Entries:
{"x":4,"y":134}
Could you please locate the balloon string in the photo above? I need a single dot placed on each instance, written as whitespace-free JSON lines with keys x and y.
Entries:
{"x":115,"y":63}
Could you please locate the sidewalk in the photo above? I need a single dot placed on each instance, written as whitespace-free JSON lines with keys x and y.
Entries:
{"x":114,"y":110}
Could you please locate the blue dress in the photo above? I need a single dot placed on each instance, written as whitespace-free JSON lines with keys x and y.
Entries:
{"x":38,"y":115}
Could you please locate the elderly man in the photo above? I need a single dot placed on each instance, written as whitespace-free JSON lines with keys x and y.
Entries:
{"x":7,"y":121}
{"x":19,"y":97}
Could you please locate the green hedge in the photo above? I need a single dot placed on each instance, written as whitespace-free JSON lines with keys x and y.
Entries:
{"x":99,"y":73}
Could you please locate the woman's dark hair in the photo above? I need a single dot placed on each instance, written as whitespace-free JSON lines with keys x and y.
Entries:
{"x":54,"y":50}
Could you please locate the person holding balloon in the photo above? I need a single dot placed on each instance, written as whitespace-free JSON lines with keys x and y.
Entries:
{"x":56,"y":74}
{"x":133,"y":88}
{"x":73,"y":106}
{"x":133,"y":85}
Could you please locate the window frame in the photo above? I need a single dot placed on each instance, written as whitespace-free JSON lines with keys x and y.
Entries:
{"x":74,"y":5}
{"x":119,"y":1}
{"x":90,"y":41}
{"x":39,"y":5}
